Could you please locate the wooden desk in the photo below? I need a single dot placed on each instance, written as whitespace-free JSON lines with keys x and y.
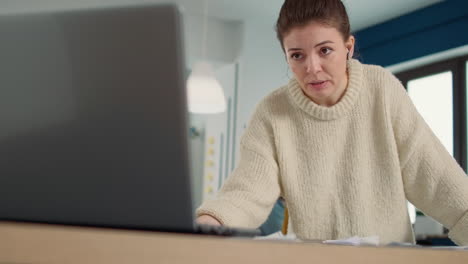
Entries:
{"x":28,"y":243}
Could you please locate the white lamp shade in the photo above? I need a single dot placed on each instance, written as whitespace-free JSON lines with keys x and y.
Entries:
{"x":205,"y":94}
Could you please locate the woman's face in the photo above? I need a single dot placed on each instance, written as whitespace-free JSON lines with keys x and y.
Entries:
{"x":317,"y":54}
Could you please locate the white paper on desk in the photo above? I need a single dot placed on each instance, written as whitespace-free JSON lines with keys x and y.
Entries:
{"x":356,"y":241}
{"x":450,"y":247}
{"x":278,"y":236}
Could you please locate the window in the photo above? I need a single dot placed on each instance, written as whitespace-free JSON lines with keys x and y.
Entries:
{"x":439,"y":93}
{"x":432,"y":95}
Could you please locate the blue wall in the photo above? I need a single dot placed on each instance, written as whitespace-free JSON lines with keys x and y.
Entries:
{"x":433,"y":29}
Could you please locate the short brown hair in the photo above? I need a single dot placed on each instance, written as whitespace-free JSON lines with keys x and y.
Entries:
{"x":295,"y":13}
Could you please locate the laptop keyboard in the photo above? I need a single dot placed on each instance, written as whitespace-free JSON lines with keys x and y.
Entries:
{"x":226,"y":231}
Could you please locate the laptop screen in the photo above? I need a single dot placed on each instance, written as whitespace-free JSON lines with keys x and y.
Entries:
{"x":94,"y":119}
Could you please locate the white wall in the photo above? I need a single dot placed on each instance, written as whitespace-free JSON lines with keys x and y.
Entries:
{"x":223,"y":39}
{"x":213,"y":126}
{"x":223,"y":46}
{"x":197,"y":152}
{"x":263,"y":68}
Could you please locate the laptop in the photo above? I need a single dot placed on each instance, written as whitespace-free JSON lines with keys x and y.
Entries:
{"x":93,"y":116}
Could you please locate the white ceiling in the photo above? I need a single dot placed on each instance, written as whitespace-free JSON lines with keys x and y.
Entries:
{"x":363,"y":13}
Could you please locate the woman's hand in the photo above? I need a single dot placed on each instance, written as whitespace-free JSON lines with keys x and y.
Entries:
{"x":207,"y":220}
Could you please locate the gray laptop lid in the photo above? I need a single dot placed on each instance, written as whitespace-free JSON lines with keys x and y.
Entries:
{"x":93,"y":118}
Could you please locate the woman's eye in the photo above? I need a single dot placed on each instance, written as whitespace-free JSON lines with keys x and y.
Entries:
{"x":296,"y":56}
{"x":325,"y":51}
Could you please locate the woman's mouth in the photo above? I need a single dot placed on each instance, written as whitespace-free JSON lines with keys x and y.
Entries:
{"x":318,"y":85}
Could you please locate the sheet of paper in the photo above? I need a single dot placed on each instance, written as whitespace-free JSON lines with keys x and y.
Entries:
{"x":353,"y":241}
{"x":356,"y":241}
{"x":278,"y":236}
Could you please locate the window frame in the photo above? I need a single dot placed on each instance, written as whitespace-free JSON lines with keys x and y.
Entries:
{"x":458,"y":68}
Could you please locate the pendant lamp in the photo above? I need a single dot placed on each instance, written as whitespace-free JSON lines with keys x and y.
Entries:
{"x":205,"y":94}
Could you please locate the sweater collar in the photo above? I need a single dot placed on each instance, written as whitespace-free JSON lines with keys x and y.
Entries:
{"x":341,"y":108}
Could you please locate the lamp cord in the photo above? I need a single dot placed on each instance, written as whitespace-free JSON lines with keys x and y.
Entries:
{"x":205,"y":25}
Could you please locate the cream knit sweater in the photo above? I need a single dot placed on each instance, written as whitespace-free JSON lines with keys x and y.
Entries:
{"x":345,"y":170}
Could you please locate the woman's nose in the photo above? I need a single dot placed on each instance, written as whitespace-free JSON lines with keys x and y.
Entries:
{"x":313,"y":65}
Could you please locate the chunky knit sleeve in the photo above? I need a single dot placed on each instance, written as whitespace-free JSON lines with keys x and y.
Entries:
{"x":433,"y":180}
{"x":248,"y":195}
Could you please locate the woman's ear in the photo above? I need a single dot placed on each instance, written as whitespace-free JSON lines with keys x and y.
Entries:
{"x":350,"y":46}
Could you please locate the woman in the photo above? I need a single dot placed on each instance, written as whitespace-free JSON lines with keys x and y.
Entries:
{"x":341,"y":143}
